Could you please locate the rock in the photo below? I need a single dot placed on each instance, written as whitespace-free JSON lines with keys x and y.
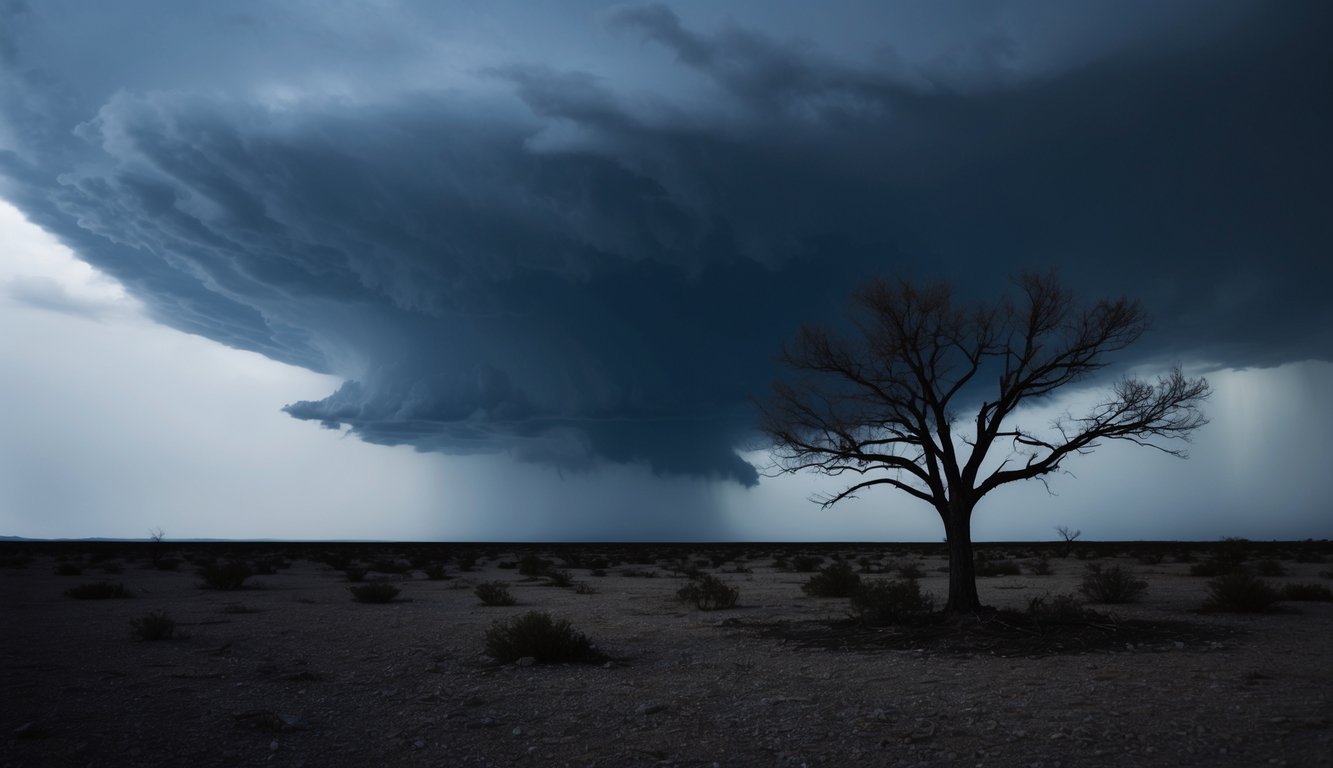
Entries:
{"x":526,"y":661}
{"x":273,"y":745}
{"x":651,"y":708}
{"x":28,"y":730}
{"x":518,"y":730}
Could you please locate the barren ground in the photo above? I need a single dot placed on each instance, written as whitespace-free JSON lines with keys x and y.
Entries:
{"x":307,"y":677}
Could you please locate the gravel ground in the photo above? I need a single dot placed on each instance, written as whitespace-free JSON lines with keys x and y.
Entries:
{"x":292,"y":672}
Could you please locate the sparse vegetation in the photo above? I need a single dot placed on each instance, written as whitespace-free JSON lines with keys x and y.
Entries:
{"x":1115,"y":584}
{"x":69,"y":569}
{"x":559,"y":578}
{"x":435,"y":572}
{"x":1307,"y":593}
{"x":709,"y":593}
{"x":355,"y":573}
{"x":883,"y":602}
{"x":1055,"y":609}
{"x":1270,"y":568}
{"x":494,"y":593}
{"x":1040,"y":566}
{"x":229,"y":575}
{"x":834,"y":580}
{"x":154,"y":625}
{"x":1241,"y":592}
{"x":806,"y":563}
{"x":535,"y":634}
{"x":98,"y":590}
{"x":374,"y":592}
{"x":989,"y":567}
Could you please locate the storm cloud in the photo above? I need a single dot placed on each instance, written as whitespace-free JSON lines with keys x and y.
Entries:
{"x":590,"y":249}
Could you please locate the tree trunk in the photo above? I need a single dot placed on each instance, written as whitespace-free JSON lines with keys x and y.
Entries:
{"x":962,"y":569}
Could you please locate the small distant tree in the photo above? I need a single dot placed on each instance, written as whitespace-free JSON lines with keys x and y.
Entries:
{"x":884,"y":404}
{"x":156,"y":536}
{"x":1068,"y":536}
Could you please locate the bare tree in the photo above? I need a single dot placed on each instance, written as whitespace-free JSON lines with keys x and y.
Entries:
{"x":882,"y":405}
{"x":1069,"y":535}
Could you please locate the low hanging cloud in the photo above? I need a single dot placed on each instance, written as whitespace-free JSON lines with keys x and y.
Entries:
{"x":547,"y":264}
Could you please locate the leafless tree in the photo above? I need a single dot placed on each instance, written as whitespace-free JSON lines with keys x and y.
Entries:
{"x":882,"y":405}
{"x":1069,"y":536}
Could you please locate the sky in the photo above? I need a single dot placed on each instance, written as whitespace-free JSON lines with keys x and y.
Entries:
{"x":512,"y":271}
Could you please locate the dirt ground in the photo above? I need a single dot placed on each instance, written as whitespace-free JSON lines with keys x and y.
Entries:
{"x":290,"y":671}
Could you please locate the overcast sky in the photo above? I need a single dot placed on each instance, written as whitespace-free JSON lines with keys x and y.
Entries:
{"x":513,"y":270}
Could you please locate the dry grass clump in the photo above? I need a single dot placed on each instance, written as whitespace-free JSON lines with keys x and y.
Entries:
{"x":494,"y":593}
{"x":538,"y":636}
{"x":229,"y":575}
{"x":152,"y":626}
{"x":1115,"y":584}
{"x":1241,"y":592}
{"x":98,"y":590}
{"x":374,"y":592}
{"x":883,"y":602}
{"x":709,"y":593}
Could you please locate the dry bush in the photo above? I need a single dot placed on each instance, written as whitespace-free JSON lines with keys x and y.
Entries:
{"x":709,"y":593}
{"x":1115,"y":584}
{"x":535,"y":634}
{"x":494,"y":593}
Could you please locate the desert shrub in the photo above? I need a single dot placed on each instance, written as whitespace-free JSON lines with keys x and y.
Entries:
{"x":834,"y":580}
{"x":598,"y":572}
{"x":881,"y":602}
{"x":531,"y":565}
{"x":263,"y":566}
{"x":1055,"y":609}
{"x":1151,"y":557}
{"x":237,"y":608}
{"x":1215,"y":567}
{"x":1270,"y":568}
{"x":225,"y":576}
{"x":709,"y":593}
{"x":1112,"y":585}
{"x":911,"y":571}
{"x":1307,"y":592}
{"x":374,"y":592}
{"x":806,"y":563}
{"x":494,"y":593}
{"x":559,"y":578}
{"x":1184,"y":556}
{"x":633,"y":573}
{"x":154,"y":625}
{"x":1040,"y":566}
{"x":435,"y":572}
{"x":390,"y":565}
{"x":98,"y":590}
{"x":336,"y":560}
{"x":355,"y":573}
{"x":69,"y":569}
{"x":1240,"y":592}
{"x":584,"y":588}
{"x":535,"y":634}
{"x":781,"y":564}
{"x":1308,"y":556}
{"x":167,"y":563}
{"x":112,"y":567}
{"x":997,"y":568}
{"x":467,"y":560}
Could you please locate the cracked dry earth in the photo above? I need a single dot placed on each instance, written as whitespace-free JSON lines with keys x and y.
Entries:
{"x":307,"y":677}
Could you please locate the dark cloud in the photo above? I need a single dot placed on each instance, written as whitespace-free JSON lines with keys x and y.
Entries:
{"x":573,"y":271}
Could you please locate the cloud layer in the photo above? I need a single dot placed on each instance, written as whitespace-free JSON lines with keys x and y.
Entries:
{"x":501,"y":252}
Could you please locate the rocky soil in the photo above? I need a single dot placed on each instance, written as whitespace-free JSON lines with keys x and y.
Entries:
{"x":290,"y":671}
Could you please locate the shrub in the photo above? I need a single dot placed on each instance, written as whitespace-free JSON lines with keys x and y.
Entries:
{"x":390,"y":565}
{"x":1240,"y":592}
{"x":531,"y":565}
{"x":709,"y":593}
{"x":911,"y":571}
{"x":835,"y":580}
{"x":374,"y":592}
{"x":154,"y":625}
{"x":435,"y":572}
{"x":1307,"y":592}
{"x":535,"y":634}
{"x":112,"y":567}
{"x":1270,"y":568}
{"x":467,"y":561}
{"x":584,"y":588}
{"x":167,"y":563}
{"x":1057,"y":609}
{"x":1215,"y":567}
{"x":355,"y":573}
{"x":1112,"y":585}
{"x":226,"y":576}
{"x":559,"y":578}
{"x":69,"y":569}
{"x":806,"y":563}
{"x":997,"y":568}
{"x":98,"y":590}
{"x":494,"y":593}
{"x":1041,"y":566}
{"x":881,"y":602}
